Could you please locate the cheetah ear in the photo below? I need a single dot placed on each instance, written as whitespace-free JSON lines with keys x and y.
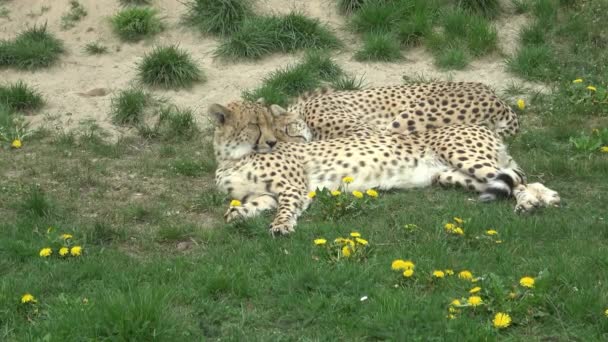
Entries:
{"x":219,"y":113}
{"x":277,"y":110}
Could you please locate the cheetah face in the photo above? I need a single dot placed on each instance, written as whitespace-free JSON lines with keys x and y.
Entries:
{"x":289,"y":127}
{"x":242,"y":128}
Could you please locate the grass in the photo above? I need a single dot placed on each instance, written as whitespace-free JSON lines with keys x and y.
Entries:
{"x":129,"y":105}
{"x":535,"y":62}
{"x":169,"y":67}
{"x":259,"y":36}
{"x":95,"y":48}
{"x":379,"y":47}
{"x":135,"y":2}
{"x":136,"y":23}
{"x":487,"y":8}
{"x":173,"y":124}
{"x":349,"y":6}
{"x":347,"y":82}
{"x":33,"y":48}
{"x":20,"y":97}
{"x":289,"y":82}
{"x":131,"y":211}
{"x":221,"y":17}
{"x":73,"y":16}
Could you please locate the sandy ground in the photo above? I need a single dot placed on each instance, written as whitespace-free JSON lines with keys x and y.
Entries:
{"x":64,"y":84}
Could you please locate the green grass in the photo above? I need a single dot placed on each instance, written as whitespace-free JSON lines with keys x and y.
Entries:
{"x":33,"y":48}
{"x":20,"y":97}
{"x":130,"y":210}
{"x":129,"y":105}
{"x":349,"y":6}
{"x":379,"y":47}
{"x":221,"y":17}
{"x":452,"y":58}
{"x":95,"y":48}
{"x":73,"y":16}
{"x":136,"y":23}
{"x":347,"y":82}
{"x":173,"y":124}
{"x":169,"y":67}
{"x":486,"y":8}
{"x":291,"y":81}
{"x":259,"y":36}
{"x":535,"y":62}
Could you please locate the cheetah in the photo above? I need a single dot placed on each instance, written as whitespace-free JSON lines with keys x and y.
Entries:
{"x":404,"y":109}
{"x":467,"y":155}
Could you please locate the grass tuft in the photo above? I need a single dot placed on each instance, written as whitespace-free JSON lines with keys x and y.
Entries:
{"x":95,"y":48}
{"x":36,"y":203}
{"x":291,"y":81}
{"x":221,"y":17}
{"x":20,"y":97}
{"x":349,"y":6}
{"x":375,"y":16}
{"x":452,"y":58}
{"x":379,"y":47}
{"x":136,"y":23}
{"x":169,"y":67}
{"x":135,"y":2}
{"x":33,"y":48}
{"x":174,"y":124}
{"x":347,"y":82}
{"x":535,"y":62}
{"x":74,"y":15}
{"x":128,"y":107}
{"x":487,"y":8}
{"x":263,"y":35}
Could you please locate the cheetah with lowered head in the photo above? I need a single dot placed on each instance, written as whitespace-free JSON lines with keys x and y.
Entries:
{"x":265,"y":176}
{"x":404,"y":109}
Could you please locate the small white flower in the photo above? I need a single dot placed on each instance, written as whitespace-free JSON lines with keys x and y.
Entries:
{"x":364,"y":298}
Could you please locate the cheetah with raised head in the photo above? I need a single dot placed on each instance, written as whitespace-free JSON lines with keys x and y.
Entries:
{"x":467,"y":155}
{"x":404,"y":109}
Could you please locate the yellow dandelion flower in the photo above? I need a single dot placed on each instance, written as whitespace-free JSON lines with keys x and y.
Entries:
{"x":399,"y":264}
{"x":372,"y":193}
{"x":46,"y":252}
{"x":452,"y":310}
{"x":604,"y":149}
{"x":358,"y":194}
{"x":578,"y":80}
{"x":319,"y":242}
{"x":451,"y":316}
{"x":235,"y":203}
{"x":501,"y":320}
{"x":456,"y":302}
{"x":466,"y":275}
{"x":348,"y":179}
{"x":521,"y":104}
{"x":16,"y":143}
{"x":527,"y":282}
{"x":312,"y":194}
{"x":76,"y":251}
{"x":449,"y":227}
{"x":349,"y":242}
{"x":449,"y":272}
{"x":361,"y":241}
{"x":66,"y":236}
{"x":335,"y":192}
{"x":63,"y":251}
{"x":458,"y":231}
{"x":491,"y":232}
{"x":592,"y":88}
{"x":438,"y":274}
{"x":355,"y":234}
{"x":346,"y":252}
{"x":475,"y":289}
{"x":28,"y":298}
{"x":458,"y":220}
{"x":339,"y":240}
{"x":475,"y":301}
{"x":408,"y":273}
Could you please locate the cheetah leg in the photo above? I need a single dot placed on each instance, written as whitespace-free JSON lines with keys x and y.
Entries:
{"x":292,"y":201}
{"x":251,"y":208}
{"x":525,"y":199}
{"x":545,"y":195}
{"x":455,"y":177}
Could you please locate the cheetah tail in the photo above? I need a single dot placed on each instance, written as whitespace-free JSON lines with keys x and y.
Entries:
{"x":502,"y":185}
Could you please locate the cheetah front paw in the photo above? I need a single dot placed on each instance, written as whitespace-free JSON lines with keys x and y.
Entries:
{"x":526,"y":202}
{"x":235,"y":214}
{"x":547,"y":196}
{"x":281,"y":228}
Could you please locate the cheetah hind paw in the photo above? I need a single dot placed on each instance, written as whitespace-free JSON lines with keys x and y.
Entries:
{"x":281,"y":229}
{"x":526,"y":202}
{"x":234,"y":214}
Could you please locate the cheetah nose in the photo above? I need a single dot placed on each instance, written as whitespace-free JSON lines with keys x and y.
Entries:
{"x":271,"y":143}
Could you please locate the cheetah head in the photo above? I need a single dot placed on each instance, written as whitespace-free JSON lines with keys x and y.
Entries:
{"x":241,"y":128}
{"x":289,"y":127}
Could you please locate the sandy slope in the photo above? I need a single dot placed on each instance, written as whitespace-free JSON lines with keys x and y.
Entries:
{"x":77,"y":73}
